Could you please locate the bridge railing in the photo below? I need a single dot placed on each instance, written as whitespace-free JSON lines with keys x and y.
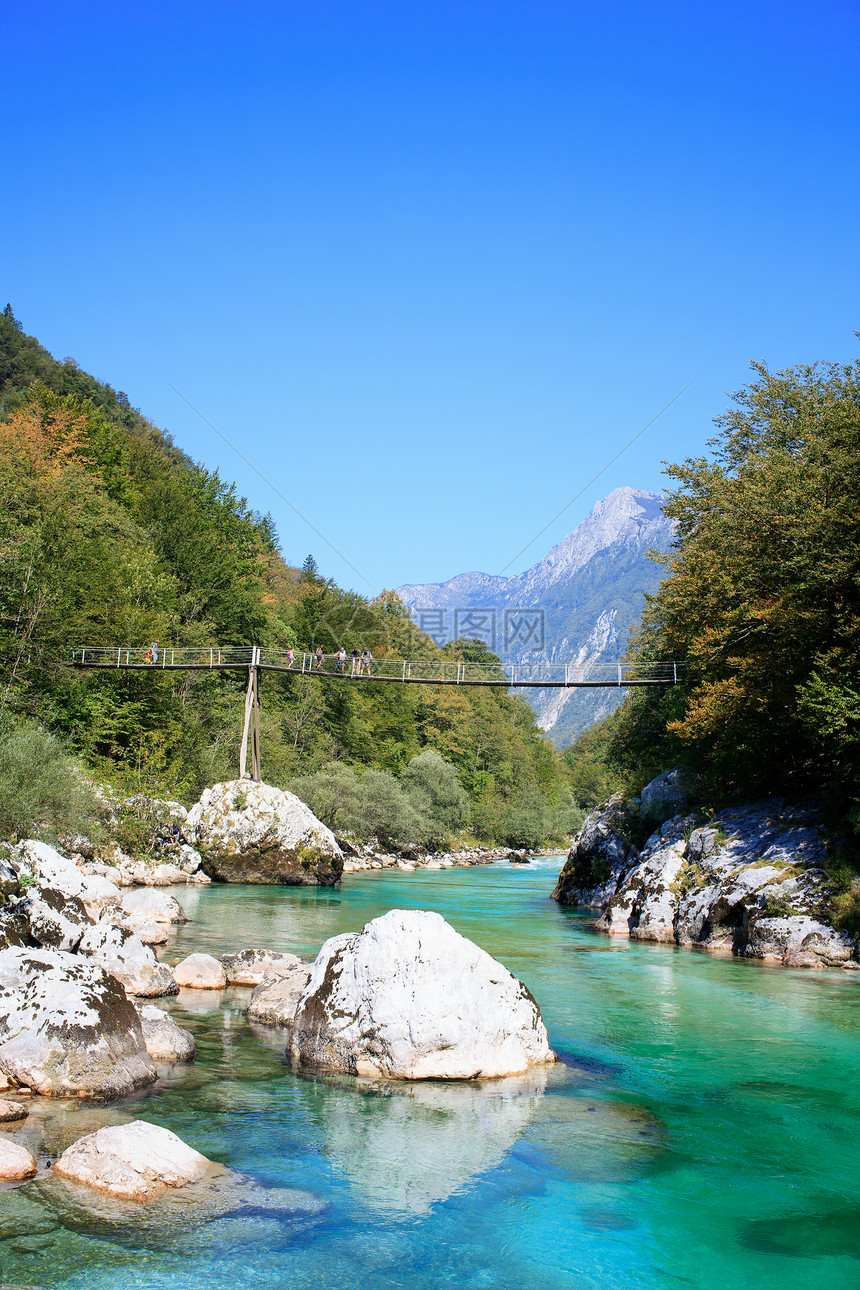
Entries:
{"x":166,"y":656}
{"x":523,"y":673}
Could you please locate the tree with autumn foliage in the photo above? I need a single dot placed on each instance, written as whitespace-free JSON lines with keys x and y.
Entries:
{"x":762,"y":601}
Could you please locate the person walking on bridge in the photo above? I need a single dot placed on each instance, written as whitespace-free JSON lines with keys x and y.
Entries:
{"x":356,"y":661}
{"x":319,"y":657}
{"x":341,"y":659}
{"x":366,"y":660}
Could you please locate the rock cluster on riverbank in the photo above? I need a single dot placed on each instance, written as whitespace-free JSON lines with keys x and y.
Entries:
{"x":239,"y":831}
{"x":358,"y":858}
{"x":752,"y":881}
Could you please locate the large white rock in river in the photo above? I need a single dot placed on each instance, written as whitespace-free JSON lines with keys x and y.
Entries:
{"x":67,"y":1028}
{"x":248,"y":832}
{"x":409,"y":998}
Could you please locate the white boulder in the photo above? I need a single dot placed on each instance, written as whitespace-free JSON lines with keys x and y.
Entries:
{"x":67,"y":1028}
{"x":164,"y":875}
{"x":125,"y":956}
{"x":55,"y":921}
{"x":15,"y":1161}
{"x":153,"y":906}
{"x":137,"y":1161}
{"x":409,"y":998}
{"x":50,"y":868}
{"x":248,"y":967}
{"x":798,"y":941}
{"x":10,"y":1111}
{"x":149,"y":933}
{"x":200,"y":972}
{"x":249,"y":832}
{"x":276,"y":998}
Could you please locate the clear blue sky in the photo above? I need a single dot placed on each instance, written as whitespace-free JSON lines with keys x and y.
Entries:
{"x":429,"y":264}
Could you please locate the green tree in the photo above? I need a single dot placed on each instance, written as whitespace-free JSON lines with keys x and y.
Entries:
{"x":762,"y":600}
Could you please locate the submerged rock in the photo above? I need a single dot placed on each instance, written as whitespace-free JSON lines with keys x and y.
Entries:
{"x":409,"y":998}
{"x":165,"y":1040}
{"x":67,"y":1028}
{"x":221,"y":1208}
{"x":248,"y":832}
{"x":276,"y":998}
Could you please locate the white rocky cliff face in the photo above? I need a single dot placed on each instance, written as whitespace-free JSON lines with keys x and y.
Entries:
{"x":751,"y":882}
{"x":409,"y":998}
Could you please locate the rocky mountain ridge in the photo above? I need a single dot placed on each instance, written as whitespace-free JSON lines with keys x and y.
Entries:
{"x":576,"y":605}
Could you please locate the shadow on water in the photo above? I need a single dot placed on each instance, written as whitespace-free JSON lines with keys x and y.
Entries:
{"x":830,"y":1232}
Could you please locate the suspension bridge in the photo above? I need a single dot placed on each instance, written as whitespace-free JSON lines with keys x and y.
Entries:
{"x":525,"y":674}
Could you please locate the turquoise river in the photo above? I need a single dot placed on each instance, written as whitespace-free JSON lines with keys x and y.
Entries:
{"x":701,"y":1128}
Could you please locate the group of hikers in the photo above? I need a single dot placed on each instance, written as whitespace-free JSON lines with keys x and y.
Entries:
{"x":361,"y":660}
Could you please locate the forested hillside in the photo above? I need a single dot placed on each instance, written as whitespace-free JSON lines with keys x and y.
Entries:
{"x":762,"y":603}
{"x":110,"y":534}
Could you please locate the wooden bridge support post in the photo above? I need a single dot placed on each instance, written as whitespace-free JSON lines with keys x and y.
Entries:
{"x":252,"y":722}
{"x":255,"y":727}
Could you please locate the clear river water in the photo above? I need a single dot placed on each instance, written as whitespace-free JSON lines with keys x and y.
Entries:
{"x":700,"y":1130}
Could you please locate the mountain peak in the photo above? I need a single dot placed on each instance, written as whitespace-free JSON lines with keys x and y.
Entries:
{"x":577,"y":604}
{"x":627,"y":514}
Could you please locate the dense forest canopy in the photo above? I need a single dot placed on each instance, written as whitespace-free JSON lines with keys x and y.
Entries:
{"x":762,"y":603}
{"x":109,"y":534}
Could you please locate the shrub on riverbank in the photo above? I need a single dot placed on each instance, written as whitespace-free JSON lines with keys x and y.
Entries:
{"x":44,"y":792}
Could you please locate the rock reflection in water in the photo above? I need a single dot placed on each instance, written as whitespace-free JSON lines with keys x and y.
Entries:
{"x":409,"y":1145}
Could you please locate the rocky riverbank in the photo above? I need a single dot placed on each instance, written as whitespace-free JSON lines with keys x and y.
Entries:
{"x":358,"y":858}
{"x":752,"y":881}
{"x":246,"y":832}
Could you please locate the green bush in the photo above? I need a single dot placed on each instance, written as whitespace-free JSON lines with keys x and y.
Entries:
{"x":386,"y":812}
{"x":433,"y":788}
{"x":333,"y":794}
{"x":566,"y":817}
{"x":845,"y":910}
{"x":527,"y":822}
{"x":43,"y":789}
{"x":426,"y":805}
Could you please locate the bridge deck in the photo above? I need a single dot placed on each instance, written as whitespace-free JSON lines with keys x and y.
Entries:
{"x":525,"y":674}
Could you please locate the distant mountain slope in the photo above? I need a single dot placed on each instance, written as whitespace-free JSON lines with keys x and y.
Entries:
{"x":577,"y":605}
